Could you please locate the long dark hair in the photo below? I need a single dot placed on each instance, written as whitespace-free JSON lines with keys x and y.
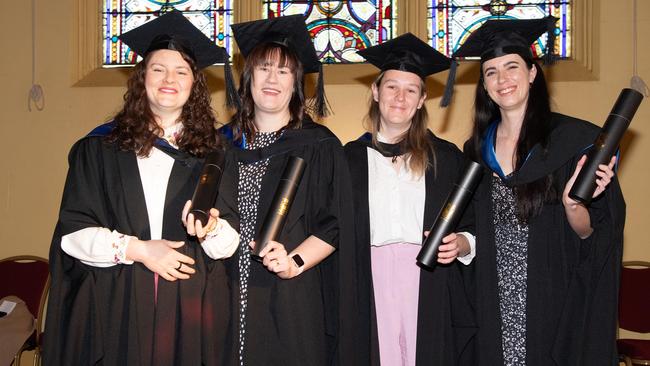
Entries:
{"x":245,"y":117}
{"x":415,"y":142}
{"x":136,"y":128}
{"x":535,"y":129}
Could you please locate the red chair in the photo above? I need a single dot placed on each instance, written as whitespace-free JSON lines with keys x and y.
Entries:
{"x":634,"y":312}
{"x":27,"y":277}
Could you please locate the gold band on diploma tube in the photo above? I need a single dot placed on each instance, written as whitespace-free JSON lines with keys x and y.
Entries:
{"x":284,"y":206}
{"x":448,"y":211}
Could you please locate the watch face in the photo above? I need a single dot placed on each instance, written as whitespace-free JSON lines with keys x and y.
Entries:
{"x":299,"y":262}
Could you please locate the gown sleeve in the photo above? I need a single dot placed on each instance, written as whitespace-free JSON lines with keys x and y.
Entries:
{"x":83,"y":204}
{"x":325,"y":195}
{"x":588,"y":322}
{"x":71,"y":299}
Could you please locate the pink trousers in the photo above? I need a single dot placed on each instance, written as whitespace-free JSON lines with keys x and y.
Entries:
{"x":396,"y":283}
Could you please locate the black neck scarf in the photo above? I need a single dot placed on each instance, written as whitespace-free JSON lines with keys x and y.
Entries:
{"x":385,"y":149}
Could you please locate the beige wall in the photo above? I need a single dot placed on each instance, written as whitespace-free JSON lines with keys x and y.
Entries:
{"x":35,"y":144}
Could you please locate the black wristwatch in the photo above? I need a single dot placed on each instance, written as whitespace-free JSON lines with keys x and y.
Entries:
{"x":297,"y":259}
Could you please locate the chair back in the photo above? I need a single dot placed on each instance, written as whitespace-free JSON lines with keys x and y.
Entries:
{"x":634,"y":297}
{"x":27,"y":277}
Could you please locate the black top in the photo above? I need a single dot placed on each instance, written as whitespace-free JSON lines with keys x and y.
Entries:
{"x":445,"y":320}
{"x":572,"y":284}
{"x":107,"y":315}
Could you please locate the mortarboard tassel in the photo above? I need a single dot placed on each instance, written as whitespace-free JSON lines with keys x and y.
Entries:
{"x":232,"y":97}
{"x":549,"y":57}
{"x":322,"y":105}
{"x":449,"y":88}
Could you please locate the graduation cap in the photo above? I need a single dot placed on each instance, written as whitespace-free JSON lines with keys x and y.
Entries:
{"x":173,"y":31}
{"x":496,"y":38}
{"x":291,"y":32}
{"x":406,"y":53}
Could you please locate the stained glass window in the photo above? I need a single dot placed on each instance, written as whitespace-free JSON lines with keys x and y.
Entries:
{"x":340,"y":28}
{"x":212,"y":17}
{"x":450,"y":22}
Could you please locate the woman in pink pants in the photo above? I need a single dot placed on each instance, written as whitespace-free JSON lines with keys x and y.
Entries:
{"x":401,"y":175}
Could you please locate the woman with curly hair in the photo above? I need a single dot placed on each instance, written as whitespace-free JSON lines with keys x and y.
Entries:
{"x":128,"y":277}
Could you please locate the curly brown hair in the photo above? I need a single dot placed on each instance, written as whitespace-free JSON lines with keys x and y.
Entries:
{"x":136,"y":128}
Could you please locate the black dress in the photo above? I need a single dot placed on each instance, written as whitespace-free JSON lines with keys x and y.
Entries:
{"x":445,"y":319}
{"x":295,"y":321}
{"x":571,"y":284}
{"x":107,"y":316}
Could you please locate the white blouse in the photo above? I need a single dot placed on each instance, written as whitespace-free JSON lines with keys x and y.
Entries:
{"x":396,"y":204}
{"x":102,"y":247}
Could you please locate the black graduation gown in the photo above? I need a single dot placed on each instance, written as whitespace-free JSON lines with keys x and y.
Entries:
{"x":295,"y":321}
{"x":445,"y":319}
{"x":572,"y":291}
{"x":107,"y":316}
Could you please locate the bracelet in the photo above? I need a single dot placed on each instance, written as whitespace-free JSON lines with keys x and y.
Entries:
{"x":214,"y":230}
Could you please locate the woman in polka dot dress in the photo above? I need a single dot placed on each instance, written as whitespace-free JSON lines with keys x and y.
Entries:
{"x":285,"y":309}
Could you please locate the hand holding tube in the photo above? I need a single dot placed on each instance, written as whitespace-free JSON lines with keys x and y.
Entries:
{"x":207,"y":188}
{"x":606,"y":144}
{"x":195,"y":227}
{"x":284,"y":194}
{"x":453,"y":246}
{"x":450,"y":214}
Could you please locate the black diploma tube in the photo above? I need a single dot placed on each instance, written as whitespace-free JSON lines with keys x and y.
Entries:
{"x":450,"y":214}
{"x":606,"y":144}
{"x":281,"y":204}
{"x":205,"y":193}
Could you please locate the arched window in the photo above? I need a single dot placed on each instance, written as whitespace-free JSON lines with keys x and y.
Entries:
{"x":450,"y":22}
{"x":340,"y":28}
{"x":212,"y":17}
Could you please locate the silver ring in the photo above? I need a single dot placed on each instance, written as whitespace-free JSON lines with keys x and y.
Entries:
{"x":180,"y":264}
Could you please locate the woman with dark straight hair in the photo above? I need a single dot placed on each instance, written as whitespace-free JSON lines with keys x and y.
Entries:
{"x":128,"y":278}
{"x":401,"y":174}
{"x":546,"y":265}
{"x":285,"y":307}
